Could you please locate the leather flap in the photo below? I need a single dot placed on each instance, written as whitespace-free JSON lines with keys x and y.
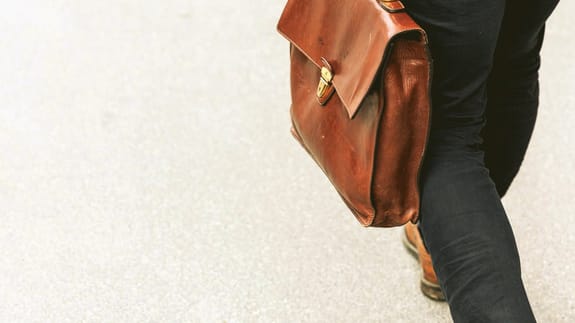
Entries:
{"x":351,"y":35}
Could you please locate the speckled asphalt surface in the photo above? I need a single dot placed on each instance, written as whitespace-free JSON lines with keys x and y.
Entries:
{"x":147,"y":174}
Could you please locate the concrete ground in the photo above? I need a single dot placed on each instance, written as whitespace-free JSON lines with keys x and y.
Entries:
{"x":147,"y":174}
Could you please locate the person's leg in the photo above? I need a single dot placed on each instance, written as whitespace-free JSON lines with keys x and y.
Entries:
{"x":513,"y":89}
{"x":463,"y":223}
{"x":471,"y":242}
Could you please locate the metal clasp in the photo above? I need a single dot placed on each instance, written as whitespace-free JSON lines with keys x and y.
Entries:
{"x":325,"y":87}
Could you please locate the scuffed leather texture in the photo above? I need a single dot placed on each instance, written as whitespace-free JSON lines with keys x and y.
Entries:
{"x":370,"y":137}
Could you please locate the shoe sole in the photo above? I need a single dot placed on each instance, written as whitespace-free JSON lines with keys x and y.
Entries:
{"x":429,"y":289}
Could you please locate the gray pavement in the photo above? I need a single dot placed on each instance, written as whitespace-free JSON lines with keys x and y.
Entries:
{"x":147,"y":174}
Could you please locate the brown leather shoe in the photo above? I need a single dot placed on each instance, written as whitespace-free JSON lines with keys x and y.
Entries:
{"x":429,"y":283}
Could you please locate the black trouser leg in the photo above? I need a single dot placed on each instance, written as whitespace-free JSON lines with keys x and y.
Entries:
{"x":463,"y":223}
{"x":513,"y":89}
{"x":467,"y":233}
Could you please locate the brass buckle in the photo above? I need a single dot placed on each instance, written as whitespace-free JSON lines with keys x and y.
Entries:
{"x":325,"y":87}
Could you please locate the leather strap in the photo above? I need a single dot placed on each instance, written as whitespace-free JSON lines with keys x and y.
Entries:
{"x":391,"y":5}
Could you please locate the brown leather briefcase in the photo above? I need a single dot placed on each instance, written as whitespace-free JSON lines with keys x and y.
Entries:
{"x":360,"y":79}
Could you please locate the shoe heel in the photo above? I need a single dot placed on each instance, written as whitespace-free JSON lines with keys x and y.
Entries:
{"x":431,"y":290}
